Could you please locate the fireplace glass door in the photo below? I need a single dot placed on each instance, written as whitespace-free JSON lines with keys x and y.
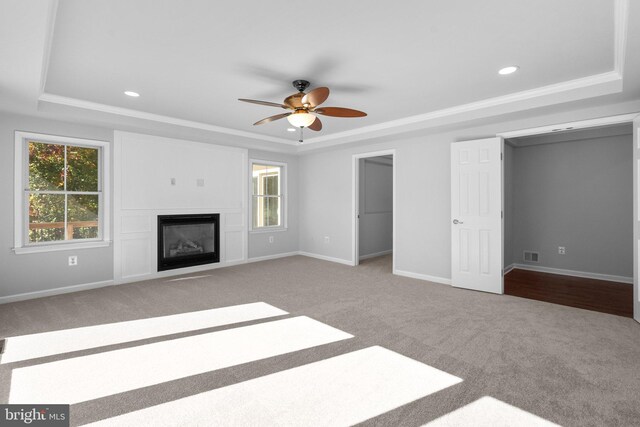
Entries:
{"x":187,"y":240}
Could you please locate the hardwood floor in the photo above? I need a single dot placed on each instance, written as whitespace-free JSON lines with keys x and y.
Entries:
{"x":589,"y":294}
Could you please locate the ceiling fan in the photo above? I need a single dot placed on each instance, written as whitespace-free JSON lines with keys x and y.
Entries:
{"x":304,"y":107}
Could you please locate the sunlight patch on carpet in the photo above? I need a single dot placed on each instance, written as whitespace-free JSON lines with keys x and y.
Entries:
{"x":32,"y":346}
{"x":490,"y":412}
{"x":181,"y":279}
{"x":98,"y":375}
{"x":342,"y":390}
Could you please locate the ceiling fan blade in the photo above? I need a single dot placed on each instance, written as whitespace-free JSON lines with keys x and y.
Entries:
{"x":316,"y":97}
{"x":272,"y":118}
{"x":316,"y":125}
{"x":294,"y":101}
{"x":267,"y":103}
{"x":339,"y":112}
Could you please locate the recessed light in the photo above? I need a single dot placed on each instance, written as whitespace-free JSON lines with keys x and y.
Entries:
{"x":291,"y":130}
{"x":508,"y":70}
{"x":131,"y":93}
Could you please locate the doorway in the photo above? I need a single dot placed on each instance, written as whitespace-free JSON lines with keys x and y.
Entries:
{"x":568,"y":218}
{"x":373,"y":208}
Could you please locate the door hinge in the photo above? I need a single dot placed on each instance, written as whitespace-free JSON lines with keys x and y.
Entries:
{"x":501,"y":214}
{"x":500,"y":156}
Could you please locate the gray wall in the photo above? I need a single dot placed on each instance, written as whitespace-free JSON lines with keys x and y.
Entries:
{"x":283,"y":241}
{"x":423,"y":191}
{"x":423,"y":242}
{"x":636,"y":216}
{"x":324,"y":196}
{"x":324,"y":203}
{"x":577,"y":194}
{"x":27,"y":273}
{"x":41,"y":271}
{"x":508,"y":205}
{"x":375,"y":205}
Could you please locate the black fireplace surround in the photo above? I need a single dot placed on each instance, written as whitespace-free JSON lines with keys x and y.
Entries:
{"x":188,"y":240}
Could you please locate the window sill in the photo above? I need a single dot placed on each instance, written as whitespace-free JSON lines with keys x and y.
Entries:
{"x":62,"y":247}
{"x":267,"y":230}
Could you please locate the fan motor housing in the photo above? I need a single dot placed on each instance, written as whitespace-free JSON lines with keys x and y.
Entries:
{"x":301,"y":85}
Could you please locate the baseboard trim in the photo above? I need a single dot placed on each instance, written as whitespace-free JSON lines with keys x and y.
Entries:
{"x":585,"y":274}
{"x":508,"y":268}
{"x":426,"y":277}
{"x":376,"y":254}
{"x":168,"y":274}
{"x":56,"y":291}
{"x":326,"y":258}
{"x":275,"y":256}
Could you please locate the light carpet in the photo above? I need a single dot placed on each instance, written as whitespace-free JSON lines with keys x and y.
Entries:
{"x":559,"y":364}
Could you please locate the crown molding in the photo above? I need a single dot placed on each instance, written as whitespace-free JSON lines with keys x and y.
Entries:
{"x":612,"y":81}
{"x":119,"y":111}
{"x":581,"y":124}
{"x":621,"y":19}
{"x":48,"y":41}
{"x":613,"y":78}
{"x":421,"y":120}
{"x":595,"y":85}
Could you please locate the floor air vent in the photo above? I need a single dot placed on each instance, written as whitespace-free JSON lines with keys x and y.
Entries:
{"x":530,"y":256}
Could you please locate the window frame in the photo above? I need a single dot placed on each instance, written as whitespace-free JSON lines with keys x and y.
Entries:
{"x":283,"y":197}
{"x":21,"y":189}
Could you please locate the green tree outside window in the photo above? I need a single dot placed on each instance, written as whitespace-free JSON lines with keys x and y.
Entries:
{"x":63,"y":193}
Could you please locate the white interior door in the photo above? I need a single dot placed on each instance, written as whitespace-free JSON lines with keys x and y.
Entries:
{"x":636,"y":216}
{"x":476,"y":215}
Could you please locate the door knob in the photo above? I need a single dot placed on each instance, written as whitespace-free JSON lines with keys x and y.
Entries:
{"x":455,"y":221}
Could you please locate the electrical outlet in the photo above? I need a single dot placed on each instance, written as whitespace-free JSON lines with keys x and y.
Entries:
{"x":562,"y":250}
{"x":270,"y":239}
{"x":326,"y":239}
{"x":73,"y":260}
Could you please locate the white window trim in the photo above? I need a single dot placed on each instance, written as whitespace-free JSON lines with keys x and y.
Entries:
{"x":20,"y":176}
{"x":283,"y":197}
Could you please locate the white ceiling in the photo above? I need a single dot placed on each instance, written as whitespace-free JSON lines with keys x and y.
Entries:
{"x":409,"y":62}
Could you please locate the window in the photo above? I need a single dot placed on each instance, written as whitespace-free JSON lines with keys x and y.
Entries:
{"x":60,"y":196}
{"x":267,"y":204}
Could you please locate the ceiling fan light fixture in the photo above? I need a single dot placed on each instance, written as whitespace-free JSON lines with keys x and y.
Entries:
{"x":300,"y":107}
{"x":301,"y":119}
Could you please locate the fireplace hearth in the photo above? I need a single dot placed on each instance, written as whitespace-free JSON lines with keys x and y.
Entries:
{"x":188,"y":240}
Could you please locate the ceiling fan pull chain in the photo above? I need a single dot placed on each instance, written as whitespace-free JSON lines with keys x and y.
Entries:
{"x":300,"y":140}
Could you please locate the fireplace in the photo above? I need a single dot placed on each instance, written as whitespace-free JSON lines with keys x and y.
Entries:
{"x":188,"y":240}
